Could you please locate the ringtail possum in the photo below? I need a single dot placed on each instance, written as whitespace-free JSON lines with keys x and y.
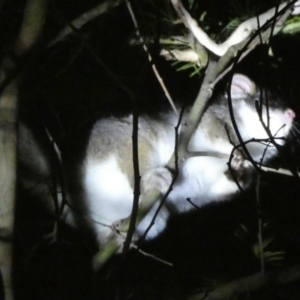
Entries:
{"x":108,"y":176}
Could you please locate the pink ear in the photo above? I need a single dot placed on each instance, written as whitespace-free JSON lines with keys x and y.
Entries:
{"x":241,"y":86}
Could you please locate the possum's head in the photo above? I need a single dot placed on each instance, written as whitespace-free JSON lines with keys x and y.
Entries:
{"x":259,"y":117}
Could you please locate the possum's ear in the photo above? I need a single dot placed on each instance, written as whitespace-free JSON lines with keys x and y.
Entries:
{"x":241,"y":86}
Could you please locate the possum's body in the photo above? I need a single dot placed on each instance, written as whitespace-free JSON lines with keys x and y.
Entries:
{"x":108,"y":176}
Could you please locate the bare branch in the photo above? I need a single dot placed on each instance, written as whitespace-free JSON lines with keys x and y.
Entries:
{"x":220,"y":155}
{"x":160,"y":80}
{"x":152,"y":256}
{"x":240,"y":34}
{"x":250,"y":283}
{"x":176,"y":172}
{"x":33,"y":21}
{"x":85,"y":18}
{"x":260,"y":226}
{"x":187,"y":55}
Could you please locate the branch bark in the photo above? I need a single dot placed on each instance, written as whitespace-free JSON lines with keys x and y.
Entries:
{"x":34,"y":17}
{"x":250,"y":283}
{"x":239,"y":35}
{"x":84,"y":19}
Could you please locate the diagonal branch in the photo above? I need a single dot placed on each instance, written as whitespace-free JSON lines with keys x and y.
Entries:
{"x":84,"y":19}
{"x":250,"y":283}
{"x":33,"y":22}
{"x":240,"y":34}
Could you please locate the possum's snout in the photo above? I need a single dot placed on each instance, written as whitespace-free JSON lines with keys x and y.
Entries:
{"x":289,"y":116}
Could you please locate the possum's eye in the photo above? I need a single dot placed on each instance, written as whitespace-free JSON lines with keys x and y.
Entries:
{"x":267,"y":103}
{"x":271,"y":100}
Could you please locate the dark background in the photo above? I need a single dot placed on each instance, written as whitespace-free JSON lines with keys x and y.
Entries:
{"x":70,"y":85}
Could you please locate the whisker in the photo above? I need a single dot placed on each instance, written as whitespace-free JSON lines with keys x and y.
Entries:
{"x":295,"y":129}
{"x":295,"y":137}
{"x":295,"y":126}
{"x":296,"y":123}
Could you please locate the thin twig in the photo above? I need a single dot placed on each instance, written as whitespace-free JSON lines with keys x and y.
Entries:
{"x":264,"y":168}
{"x":242,"y":32}
{"x":248,"y":284}
{"x":137,"y":180}
{"x":160,"y":80}
{"x":152,"y":256}
{"x":176,"y":172}
{"x":260,"y":225}
{"x":84,"y":19}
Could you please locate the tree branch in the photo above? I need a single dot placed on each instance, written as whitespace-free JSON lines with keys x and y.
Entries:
{"x":243,"y":31}
{"x":33,"y":22}
{"x":85,"y":18}
{"x":250,"y":283}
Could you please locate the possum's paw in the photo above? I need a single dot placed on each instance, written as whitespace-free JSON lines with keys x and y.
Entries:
{"x":238,"y":163}
{"x":158,"y":178}
{"x":240,"y":169}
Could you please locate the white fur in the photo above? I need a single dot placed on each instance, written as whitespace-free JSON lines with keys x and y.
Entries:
{"x":194,"y":185}
{"x":159,"y":225}
{"x":109,"y":194}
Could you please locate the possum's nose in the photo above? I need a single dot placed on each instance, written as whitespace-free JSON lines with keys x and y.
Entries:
{"x":289,"y":115}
